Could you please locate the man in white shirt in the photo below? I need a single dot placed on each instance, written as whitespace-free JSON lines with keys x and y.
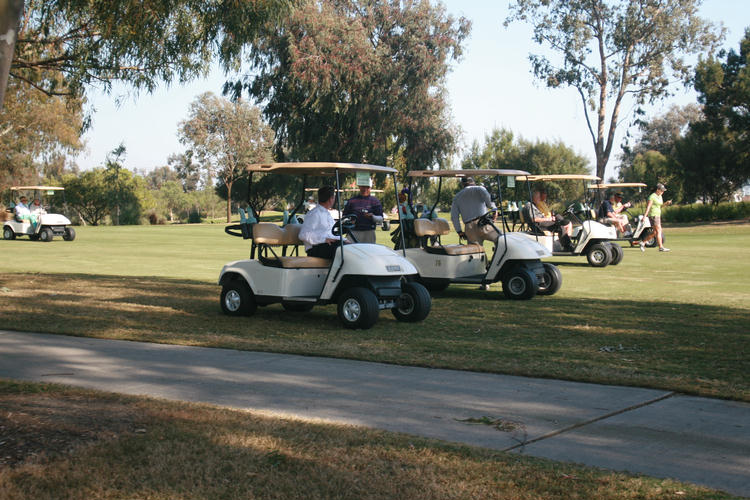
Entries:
{"x":471,"y":203}
{"x":22,"y":210}
{"x":316,"y":229}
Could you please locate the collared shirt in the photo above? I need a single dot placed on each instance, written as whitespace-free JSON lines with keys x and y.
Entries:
{"x":470,"y":203}
{"x":364,"y":204}
{"x":316,"y":227}
{"x":22,"y":209}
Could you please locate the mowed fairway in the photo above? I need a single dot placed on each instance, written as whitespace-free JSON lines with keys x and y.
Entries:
{"x":676,"y":321}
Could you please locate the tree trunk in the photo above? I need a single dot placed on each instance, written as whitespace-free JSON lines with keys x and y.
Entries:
{"x":229,"y":201}
{"x":10,"y":19}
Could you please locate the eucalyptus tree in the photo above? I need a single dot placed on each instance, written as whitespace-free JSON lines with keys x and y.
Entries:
{"x":359,"y":80}
{"x":225,"y":137}
{"x":64,"y":45}
{"x":608,"y":50}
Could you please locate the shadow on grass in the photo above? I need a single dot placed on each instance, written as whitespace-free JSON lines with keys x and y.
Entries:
{"x":700,"y":349}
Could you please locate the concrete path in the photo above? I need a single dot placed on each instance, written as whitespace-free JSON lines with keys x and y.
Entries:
{"x":662,"y":434}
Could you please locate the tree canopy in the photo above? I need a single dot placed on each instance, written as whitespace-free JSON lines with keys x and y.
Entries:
{"x":359,"y":80}
{"x":611,"y":49}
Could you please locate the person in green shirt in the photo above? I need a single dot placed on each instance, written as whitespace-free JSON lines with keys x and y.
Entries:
{"x":653,"y":211}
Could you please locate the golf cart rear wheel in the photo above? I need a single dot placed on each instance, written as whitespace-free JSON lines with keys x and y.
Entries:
{"x":358,"y":308}
{"x":652,"y":243}
{"x":8,"y":233}
{"x":413,"y":304}
{"x":70,"y":234}
{"x":46,"y":234}
{"x":237,"y":299}
{"x":551,"y":280}
{"x":599,"y":255}
{"x":617,"y":253}
{"x":520,"y":284}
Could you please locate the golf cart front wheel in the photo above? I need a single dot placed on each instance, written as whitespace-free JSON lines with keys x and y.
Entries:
{"x":358,"y":308}
{"x":46,"y":234}
{"x":237,"y":299}
{"x":599,"y":255}
{"x":617,"y":253}
{"x":8,"y":233}
{"x":551,"y":280}
{"x":413,"y":304}
{"x":520,"y":284}
{"x":70,"y":234}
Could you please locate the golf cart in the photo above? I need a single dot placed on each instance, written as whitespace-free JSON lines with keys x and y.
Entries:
{"x":361,"y":279}
{"x":515,"y":259}
{"x":640,"y":225}
{"x":38,"y":225}
{"x":590,"y":238}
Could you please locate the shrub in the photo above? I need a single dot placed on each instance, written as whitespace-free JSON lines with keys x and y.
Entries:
{"x":698,"y":212}
{"x":194,"y":217}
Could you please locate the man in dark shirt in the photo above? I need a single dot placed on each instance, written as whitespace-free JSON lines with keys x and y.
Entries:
{"x":608,"y":215}
{"x":367,"y":209}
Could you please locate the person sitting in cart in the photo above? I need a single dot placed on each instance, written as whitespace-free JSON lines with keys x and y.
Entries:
{"x":468,"y":205}
{"x":316,"y":231}
{"x":37,"y":208}
{"x":608,"y":214}
{"x":367,"y":208}
{"x":21,"y":210}
{"x":542,"y":218}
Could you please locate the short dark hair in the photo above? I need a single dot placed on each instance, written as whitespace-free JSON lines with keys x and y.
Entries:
{"x":325,"y":193}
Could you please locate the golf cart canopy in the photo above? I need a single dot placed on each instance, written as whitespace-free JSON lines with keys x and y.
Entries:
{"x":613,"y":185}
{"x":318,"y":168}
{"x":559,"y":177}
{"x":467,"y":173}
{"x":39,"y":188}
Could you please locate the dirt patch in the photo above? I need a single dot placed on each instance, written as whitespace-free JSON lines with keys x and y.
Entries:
{"x":38,"y":427}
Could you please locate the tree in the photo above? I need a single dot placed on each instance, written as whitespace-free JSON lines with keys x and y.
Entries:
{"x":611,"y":49}
{"x":88,"y":195}
{"x":36,"y":133}
{"x":359,"y":80}
{"x":188,"y":172}
{"x":64,"y":45}
{"x":226,"y":136}
{"x":10,"y":17}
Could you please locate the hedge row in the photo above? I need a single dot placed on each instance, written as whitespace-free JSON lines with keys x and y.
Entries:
{"x":703,"y":213}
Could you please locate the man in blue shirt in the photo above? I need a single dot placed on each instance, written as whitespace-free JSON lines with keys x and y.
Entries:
{"x":367,"y":209}
{"x":608,"y":215}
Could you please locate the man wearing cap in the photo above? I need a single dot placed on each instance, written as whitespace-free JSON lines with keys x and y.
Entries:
{"x":653,"y":211}
{"x":608,"y":214}
{"x":367,"y":209}
{"x":469,"y":204}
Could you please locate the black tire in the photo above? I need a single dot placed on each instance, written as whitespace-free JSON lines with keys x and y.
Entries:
{"x":599,"y":255}
{"x":386,"y":225}
{"x":617,"y":253}
{"x":46,"y":234}
{"x":434,"y":284}
{"x":297,"y":306}
{"x":358,"y":308}
{"x":70,"y":234}
{"x":414,"y":304}
{"x":237,"y":299}
{"x":552,"y":280}
{"x":520,"y":284}
{"x":8,"y":233}
{"x":652,"y":243}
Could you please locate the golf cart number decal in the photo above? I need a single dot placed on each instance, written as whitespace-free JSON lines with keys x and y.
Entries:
{"x":393,"y":269}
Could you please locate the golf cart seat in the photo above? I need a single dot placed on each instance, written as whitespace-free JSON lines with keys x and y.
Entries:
{"x":267,"y":235}
{"x":439,"y":227}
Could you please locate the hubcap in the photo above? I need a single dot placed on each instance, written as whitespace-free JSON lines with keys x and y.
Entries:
{"x":406,"y":304}
{"x":233,"y":300}
{"x":546,"y":281}
{"x":517,"y":285}
{"x":351,"y":310}
{"x":598,"y":256}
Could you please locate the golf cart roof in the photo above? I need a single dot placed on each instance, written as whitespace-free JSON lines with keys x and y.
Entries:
{"x":617,"y":185}
{"x":560,"y":177}
{"x":318,"y":168}
{"x":467,"y":173}
{"x":40,"y":188}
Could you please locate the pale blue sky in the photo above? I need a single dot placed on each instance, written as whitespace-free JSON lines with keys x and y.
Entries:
{"x":491,"y":86}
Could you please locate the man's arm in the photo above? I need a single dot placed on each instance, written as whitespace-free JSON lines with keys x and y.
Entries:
{"x":455,"y":215}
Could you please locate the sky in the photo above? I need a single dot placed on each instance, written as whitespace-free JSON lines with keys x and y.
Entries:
{"x":491,"y":86}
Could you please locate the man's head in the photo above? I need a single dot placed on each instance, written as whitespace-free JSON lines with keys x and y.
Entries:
{"x":24,"y":199}
{"x":364,"y":182}
{"x":36,"y":201}
{"x":618,"y":196}
{"x":467,"y":181}
{"x":326,"y":196}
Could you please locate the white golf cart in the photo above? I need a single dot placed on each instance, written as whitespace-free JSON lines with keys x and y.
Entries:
{"x":590,"y":238}
{"x":38,"y":225}
{"x":640,"y":225}
{"x":362,"y":278}
{"x":515,"y":259}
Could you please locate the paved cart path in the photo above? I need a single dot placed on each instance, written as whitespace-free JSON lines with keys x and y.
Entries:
{"x":659,"y":433}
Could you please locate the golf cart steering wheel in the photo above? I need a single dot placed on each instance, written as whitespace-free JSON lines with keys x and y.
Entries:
{"x":485,"y":218}
{"x":347,"y":223}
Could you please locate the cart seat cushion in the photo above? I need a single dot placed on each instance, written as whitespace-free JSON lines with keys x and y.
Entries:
{"x":304,"y":262}
{"x":267,"y":233}
{"x":455,"y":249}
{"x":435,"y":227}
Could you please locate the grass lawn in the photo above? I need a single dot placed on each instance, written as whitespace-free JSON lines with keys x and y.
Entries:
{"x":675,"y":321}
{"x":76,"y":444}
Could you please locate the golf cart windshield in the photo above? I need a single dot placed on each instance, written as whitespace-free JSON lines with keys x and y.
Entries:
{"x":46,"y":194}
